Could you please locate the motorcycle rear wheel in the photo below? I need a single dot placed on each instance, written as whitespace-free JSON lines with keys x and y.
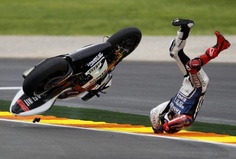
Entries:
{"x":45,"y":76}
{"x":124,"y":41}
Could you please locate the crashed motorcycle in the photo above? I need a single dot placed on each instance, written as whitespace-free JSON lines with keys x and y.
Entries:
{"x":83,"y":73}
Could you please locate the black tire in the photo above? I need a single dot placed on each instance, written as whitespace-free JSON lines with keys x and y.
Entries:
{"x":50,"y":70}
{"x":127,"y":38}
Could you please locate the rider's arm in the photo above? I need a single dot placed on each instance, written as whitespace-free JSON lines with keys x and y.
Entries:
{"x":156,"y":113}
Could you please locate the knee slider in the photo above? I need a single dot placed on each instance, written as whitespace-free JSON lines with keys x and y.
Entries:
{"x":194,"y":65}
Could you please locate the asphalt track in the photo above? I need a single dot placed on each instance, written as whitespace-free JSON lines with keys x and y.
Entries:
{"x":137,"y":87}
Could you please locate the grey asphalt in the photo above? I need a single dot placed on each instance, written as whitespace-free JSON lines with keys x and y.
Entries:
{"x":21,"y":140}
{"x":137,"y":87}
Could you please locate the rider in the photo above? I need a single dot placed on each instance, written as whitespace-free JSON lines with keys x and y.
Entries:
{"x":181,"y":110}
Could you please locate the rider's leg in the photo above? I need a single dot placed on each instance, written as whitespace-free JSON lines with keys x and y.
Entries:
{"x":214,"y":51}
{"x":195,"y":64}
{"x":199,"y":77}
{"x":178,"y":44}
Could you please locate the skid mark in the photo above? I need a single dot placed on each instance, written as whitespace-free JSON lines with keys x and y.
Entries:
{"x":126,"y":128}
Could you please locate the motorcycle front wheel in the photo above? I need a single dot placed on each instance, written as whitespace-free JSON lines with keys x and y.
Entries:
{"x":45,"y":76}
{"x":124,"y":42}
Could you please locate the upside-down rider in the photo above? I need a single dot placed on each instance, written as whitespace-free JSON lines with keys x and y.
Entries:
{"x":181,"y":110}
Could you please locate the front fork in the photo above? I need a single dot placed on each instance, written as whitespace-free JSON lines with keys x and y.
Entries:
{"x":118,"y":57}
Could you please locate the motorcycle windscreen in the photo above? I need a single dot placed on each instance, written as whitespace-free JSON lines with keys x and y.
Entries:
{"x":23,"y":105}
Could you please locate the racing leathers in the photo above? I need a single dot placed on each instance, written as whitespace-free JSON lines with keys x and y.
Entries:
{"x":181,"y":110}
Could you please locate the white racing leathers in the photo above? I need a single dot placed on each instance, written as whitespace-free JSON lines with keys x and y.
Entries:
{"x":190,"y":96}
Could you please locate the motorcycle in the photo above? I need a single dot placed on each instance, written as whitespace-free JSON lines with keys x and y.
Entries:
{"x":83,"y":73}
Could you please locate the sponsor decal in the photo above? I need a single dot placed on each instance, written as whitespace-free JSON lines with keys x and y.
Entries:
{"x":196,"y":80}
{"x":93,"y":68}
{"x":174,"y":109}
{"x":211,"y":51}
{"x":30,"y":101}
{"x":95,"y":59}
{"x":25,"y":104}
{"x":179,"y":100}
{"x":22,"y":105}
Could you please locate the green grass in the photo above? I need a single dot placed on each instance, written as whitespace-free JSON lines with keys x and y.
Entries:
{"x":103,"y":17}
{"x":122,"y":118}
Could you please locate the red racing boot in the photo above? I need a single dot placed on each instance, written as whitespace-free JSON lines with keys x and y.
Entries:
{"x":194,"y":65}
{"x":214,"y":51}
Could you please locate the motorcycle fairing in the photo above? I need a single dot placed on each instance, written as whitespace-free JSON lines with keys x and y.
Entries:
{"x":96,"y":72}
{"x":24,"y":106}
{"x":83,"y":56}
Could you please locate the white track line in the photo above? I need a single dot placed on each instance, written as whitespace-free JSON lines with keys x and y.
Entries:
{"x":128,"y":133}
{"x":10,"y":88}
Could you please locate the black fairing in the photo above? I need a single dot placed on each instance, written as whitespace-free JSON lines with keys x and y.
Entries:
{"x":80,"y":58}
{"x":33,"y":102}
{"x":16,"y":109}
